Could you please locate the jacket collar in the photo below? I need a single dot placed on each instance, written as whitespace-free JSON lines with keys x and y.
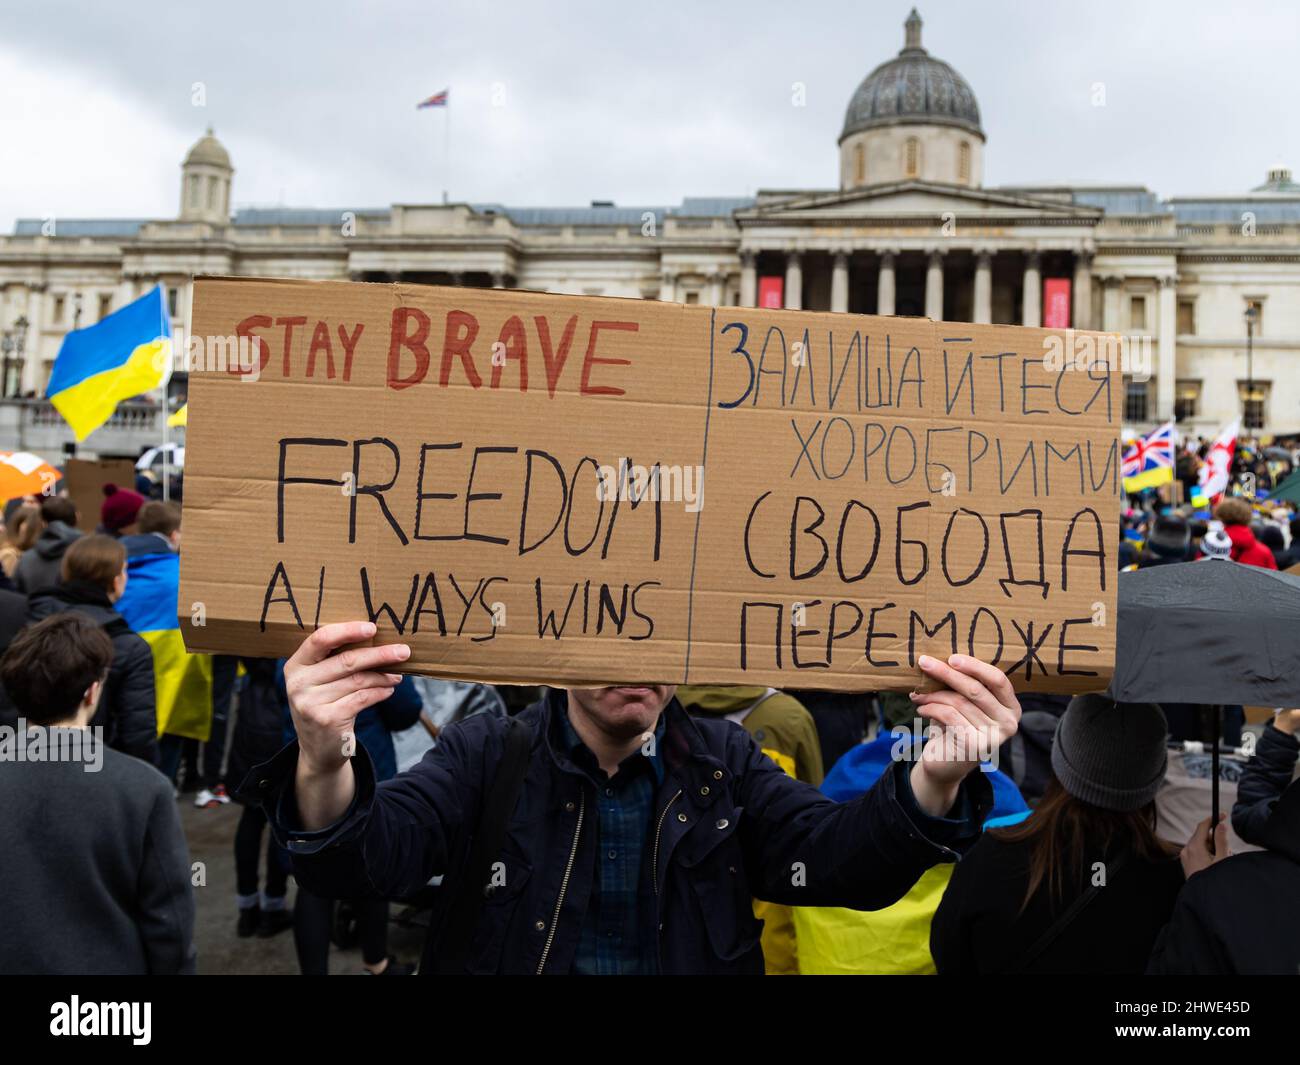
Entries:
{"x":684,"y":750}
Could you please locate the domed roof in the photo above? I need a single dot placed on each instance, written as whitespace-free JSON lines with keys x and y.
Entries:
{"x":207,"y":149}
{"x":912,"y":87}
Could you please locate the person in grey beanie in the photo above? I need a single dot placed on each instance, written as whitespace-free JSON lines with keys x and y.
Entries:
{"x":1083,"y":885}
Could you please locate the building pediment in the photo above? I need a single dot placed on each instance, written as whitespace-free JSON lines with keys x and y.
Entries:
{"x":910,"y":199}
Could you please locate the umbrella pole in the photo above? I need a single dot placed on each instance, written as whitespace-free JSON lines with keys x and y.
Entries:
{"x":1214,"y":771}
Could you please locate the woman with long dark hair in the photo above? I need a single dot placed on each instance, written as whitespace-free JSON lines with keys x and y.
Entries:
{"x":1084,"y":885}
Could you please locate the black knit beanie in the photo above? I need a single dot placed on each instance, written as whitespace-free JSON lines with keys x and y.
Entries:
{"x":1111,"y":754}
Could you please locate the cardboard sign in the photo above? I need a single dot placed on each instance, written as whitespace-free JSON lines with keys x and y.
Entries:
{"x":84,"y":480}
{"x":536,"y":488}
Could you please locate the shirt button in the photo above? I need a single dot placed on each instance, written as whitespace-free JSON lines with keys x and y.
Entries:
{"x":609,"y":792}
{"x":717,"y":774}
{"x":613,"y":855}
{"x":569,"y":806}
{"x":540,"y":926}
{"x":722,"y":823}
{"x":704,"y":790}
{"x":681,"y":817}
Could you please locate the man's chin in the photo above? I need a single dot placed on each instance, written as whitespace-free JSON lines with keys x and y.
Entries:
{"x":635,"y":706}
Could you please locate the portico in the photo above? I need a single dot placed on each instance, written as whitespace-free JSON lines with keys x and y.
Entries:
{"x":918,"y":249}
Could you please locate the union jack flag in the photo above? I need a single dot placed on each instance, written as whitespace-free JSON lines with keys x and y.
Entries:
{"x":1149,"y":460}
{"x":438,"y":99}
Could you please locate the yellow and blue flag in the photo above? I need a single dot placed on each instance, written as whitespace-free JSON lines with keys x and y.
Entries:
{"x":119,"y":357}
{"x":182,"y":681}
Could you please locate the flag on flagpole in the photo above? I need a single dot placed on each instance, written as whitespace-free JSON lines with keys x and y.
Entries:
{"x":438,"y":99}
{"x":1149,"y":460}
{"x":180,"y":418}
{"x":121,"y":356}
{"x":1216,"y":473}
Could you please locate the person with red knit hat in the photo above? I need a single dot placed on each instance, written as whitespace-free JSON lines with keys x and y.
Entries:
{"x":119,"y":510}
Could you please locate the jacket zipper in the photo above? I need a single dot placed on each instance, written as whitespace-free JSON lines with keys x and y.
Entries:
{"x":564,"y":884}
{"x":658,"y":829}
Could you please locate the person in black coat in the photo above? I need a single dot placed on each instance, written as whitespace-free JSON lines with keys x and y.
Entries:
{"x":710,"y":821}
{"x":94,"y":576}
{"x":258,"y":734}
{"x":1083,"y":885}
{"x":1235,"y":917}
{"x":13,"y":616}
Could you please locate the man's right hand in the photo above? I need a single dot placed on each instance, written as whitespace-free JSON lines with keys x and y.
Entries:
{"x":328,"y":688}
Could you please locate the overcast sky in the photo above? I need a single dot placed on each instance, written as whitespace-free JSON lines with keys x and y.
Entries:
{"x":639,"y":102}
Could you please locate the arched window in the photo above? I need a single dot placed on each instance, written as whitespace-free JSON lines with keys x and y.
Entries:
{"x":194,"y":190}
{"x":963,"y":163}
{"x":212,"y":193}
{"x":912,"y":156}
{"x":859,"y":164}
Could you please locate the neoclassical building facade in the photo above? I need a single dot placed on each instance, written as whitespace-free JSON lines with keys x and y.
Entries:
{"x":909,"y":230}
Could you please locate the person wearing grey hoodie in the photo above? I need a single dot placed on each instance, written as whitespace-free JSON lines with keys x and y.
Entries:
{"x":40,"y":567}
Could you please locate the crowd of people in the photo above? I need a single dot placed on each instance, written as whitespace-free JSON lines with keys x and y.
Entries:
{"x":632,"y":829}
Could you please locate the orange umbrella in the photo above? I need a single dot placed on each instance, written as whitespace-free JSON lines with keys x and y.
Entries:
{"x":25,"y":474}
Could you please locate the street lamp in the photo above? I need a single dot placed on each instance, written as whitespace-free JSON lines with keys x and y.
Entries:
{"x":1252,"y":314}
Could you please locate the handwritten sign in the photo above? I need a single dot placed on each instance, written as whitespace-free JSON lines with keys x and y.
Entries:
{"x":577,"y":490}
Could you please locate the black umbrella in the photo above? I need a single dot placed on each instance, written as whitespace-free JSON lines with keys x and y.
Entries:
{"x":1213,"y":632}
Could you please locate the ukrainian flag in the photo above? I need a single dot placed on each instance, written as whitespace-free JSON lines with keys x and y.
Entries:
{"x":182,"y":681}
{"x":120,"y":357}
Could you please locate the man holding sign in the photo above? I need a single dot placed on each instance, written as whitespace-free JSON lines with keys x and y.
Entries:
{"x":639,"y":836}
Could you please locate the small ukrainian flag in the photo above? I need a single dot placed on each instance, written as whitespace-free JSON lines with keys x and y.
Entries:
{"x":182,"y":681}
{"x":122,"y":356}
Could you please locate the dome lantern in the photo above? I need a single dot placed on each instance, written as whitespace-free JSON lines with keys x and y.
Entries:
{"x":205,"y":182}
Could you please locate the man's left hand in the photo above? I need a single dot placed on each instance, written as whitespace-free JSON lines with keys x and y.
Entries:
{"x":976,"y":711}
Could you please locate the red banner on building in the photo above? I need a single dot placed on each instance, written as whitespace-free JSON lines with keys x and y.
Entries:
{"x":1056,"y":303}
{"x":771,"y":292}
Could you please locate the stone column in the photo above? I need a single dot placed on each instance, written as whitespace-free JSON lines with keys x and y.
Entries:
{"x":717,"y":287}
{"x":1112,"y":288}
{"x":983,"y":287}
{"x":1166,"y":365}
{"x":31,"y":374}
{"x":1082,"y":290}
{"x":840,"y":282}
{"x":1031,"y":311}
{"x":457,"y":278}
{"x":934,"y":286}
{"x":498,"y":279}
{"x":748,"y":279}
{"x":794,"y":281}
{"x":885,"y":286}
{"x":668,"y":286}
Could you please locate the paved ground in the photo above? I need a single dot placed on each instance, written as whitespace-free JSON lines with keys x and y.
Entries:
{"x":211,"y":835}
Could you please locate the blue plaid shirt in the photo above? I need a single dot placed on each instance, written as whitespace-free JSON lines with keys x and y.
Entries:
{"x":618,"y":936}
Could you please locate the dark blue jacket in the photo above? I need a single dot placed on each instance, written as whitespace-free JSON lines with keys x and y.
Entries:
{"x":1267,"y":775}
{"x":729,"y":825}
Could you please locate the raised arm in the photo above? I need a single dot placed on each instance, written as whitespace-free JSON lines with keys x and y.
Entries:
{"x":329,"y":683}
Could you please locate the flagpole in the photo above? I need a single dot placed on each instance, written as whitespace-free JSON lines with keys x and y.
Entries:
{"x":446,"y":148}
{"x":166,"y":429}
